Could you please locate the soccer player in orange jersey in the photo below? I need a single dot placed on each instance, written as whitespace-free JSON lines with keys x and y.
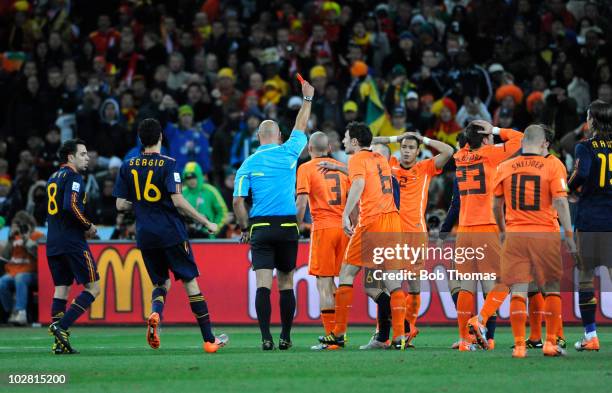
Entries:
{"x":414,"y":178}
{"x":325,"y":193}
{"x":533,"y":189}
{"x":371,"y":187}
{"x":476,"y":167}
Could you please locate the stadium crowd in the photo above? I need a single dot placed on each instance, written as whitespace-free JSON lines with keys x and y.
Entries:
{"x":211,"y":71}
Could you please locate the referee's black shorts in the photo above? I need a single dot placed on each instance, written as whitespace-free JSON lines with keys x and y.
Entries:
{"x":274,"y":242}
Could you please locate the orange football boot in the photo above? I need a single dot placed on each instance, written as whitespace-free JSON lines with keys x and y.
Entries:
{"x":152,"y":336}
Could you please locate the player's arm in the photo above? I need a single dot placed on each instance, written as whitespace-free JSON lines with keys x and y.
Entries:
{"x":445,"y":150}
{"x":326,"y":166}
{"x":453,"y":212}
{"x":123,"y":205}
{"x":562,"y":207}
{"x":242,"y":183}
{"x":120,"y":191}
{"x":297,"y":141}
{"x":357,"y":187}
{"x":582,"y":168}
{"x":391,"y":139}
{"x":511,"y":138}
{"x":185,"y":208}
{"x":498,"y":213}
{"x":71,"y":204}
{"x":300,"y":203}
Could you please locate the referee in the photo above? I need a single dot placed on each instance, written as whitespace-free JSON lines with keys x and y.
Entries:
{"x":271,"y":225}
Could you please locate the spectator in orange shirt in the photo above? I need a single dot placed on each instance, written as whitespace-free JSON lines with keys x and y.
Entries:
{"x":20,"y":266}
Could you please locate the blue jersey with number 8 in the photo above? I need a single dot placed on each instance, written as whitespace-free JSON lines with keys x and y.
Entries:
{"x":148,"y":181}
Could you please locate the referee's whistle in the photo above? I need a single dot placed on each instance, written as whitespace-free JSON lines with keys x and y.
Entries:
{"x":300,"y":79}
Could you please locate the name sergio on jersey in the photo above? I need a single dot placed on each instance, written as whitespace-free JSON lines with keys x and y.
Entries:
{"x":145,"y":162}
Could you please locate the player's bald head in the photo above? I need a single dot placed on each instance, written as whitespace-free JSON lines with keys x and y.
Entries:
{"x":534,"y":135}
{"x":268,"y":132}
{"x":319,"y":143}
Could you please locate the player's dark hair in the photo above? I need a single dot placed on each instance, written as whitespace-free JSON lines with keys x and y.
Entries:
{"x":601,"y":114}
{"x":361,"y":132}
{"x":549,"y":133}
{"x":473,"y":135}
{"x":412,"y":138}
{"x":461,"y":139}
{"x":69,"y":147}
{"x":149,"y":132}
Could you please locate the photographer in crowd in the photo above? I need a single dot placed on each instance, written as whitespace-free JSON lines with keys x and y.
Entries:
{"x":19,"y":257}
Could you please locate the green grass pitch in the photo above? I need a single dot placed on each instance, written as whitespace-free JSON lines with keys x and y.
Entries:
{"x":117,"y":359}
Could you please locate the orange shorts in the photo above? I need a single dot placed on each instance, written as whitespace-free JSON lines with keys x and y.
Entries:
{"x":478,"y":249}
{"x":530,"y":257}
{"x":382,"y":232}
{"x":327,"y":248}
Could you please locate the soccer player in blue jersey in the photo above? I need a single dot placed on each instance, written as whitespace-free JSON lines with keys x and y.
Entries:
{"x":151,"y":185}
{"x":592,"y":179}
{"x":68,"y":255}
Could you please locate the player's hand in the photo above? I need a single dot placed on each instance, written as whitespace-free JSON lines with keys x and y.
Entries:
{"x":92,"y":231}
{"x":488,"y":127}
{"x":211,"y":227}
{"x":245,"y":237}
{"x":571,"y":245}
{"x":412,"y":134}
{"x":326,"y":166}
{"x":307,"y":89}
{"x":347,"y":226}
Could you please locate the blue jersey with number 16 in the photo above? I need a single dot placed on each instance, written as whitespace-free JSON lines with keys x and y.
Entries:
{"x":148,"y":181}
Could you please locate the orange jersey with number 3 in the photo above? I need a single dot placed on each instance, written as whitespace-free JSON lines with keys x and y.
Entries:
{"x":326,"y":193}
{"x":529,"y":183}
{"x":475,"y":173}
{"x":377,"y":196}
{"x":414,"y":192}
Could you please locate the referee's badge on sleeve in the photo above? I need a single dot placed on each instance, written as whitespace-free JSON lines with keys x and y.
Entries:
{"x":76,"y":186}
{"x":177,"y":177}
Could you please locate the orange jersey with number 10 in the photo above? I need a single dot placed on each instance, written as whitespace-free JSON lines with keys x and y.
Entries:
{"x":475,"y":173}
{"x":529,"y":183}
{"x":326,"y":193}
{"x":377,"y":196}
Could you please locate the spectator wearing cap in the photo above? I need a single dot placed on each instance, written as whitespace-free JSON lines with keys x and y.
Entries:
{"x":358,"y":72}
{"x":397,"y":89}
{"x":445,"y":128}
{"x":496,"y":74}
{"x":404,"y":53}
{"x":318,"y":76}
{"x":226,"y":92}
{"x":205,"y":198}
{"x":350,"y":111}
{"x":416,"y":120}
{"x":510,"y":97}
{"x":188,"y":141}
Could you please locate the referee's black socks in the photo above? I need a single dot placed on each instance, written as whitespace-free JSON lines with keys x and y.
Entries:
{"x":287,"y":311}
{"x":264,"y":310}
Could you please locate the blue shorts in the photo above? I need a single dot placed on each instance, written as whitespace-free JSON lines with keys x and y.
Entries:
{"x":65,"y":268}
{"x":178,"y":259}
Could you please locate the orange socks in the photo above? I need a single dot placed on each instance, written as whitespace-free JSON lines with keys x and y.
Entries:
{"x":494,"y":300}
{"x":518,"y":319}
{"x":398,"y":312}
{"x":413,"y":303}
{"x":344,"y":301}
{"x":328,"y":317}
{"x":465,"y":307}
{"x":552,"y":313}
{"x":536,"y":311}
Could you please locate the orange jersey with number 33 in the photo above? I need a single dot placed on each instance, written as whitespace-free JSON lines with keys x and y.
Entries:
{"x":475,"y":173}
{"x":326,"y":192}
